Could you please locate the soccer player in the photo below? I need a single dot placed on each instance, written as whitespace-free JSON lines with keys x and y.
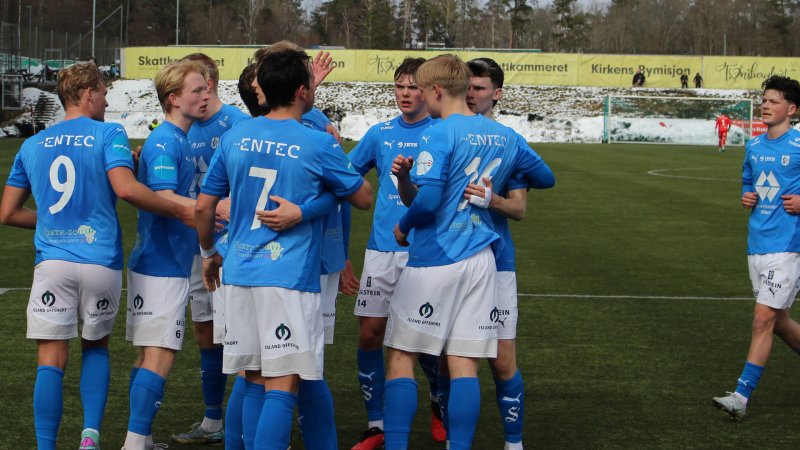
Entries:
{"x":722,"y":126}
{"x":485,"y":90}
{"x":161,"y":260}
{"x":770,"y":188}
{"x":445,"y":298}
{"x":275,"y":331}
{"x":75,"y":171}
{"x":204,"y":136}
{"x":385,"y":259}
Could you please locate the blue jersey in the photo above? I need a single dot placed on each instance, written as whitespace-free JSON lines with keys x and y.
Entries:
{"x":332,"y":248}
{"x":65,"y":168}
{"x":265,"y":157}
{"x":164,"y":246}
{"x":504,"y":253}
{"x":204,"y":138}
{"x":771,"y":169}
{"x":382,"y":143}
{"x":454,"y":153}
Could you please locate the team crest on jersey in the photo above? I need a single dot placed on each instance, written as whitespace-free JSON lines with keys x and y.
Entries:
{"x":785,"y":159}
{"x":424,"y":163}
{"x":214,"y":142}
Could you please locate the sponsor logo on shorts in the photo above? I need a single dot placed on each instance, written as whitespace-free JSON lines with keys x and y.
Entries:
{"x":48,"y":298}
{"x":138,"y":302}
{"x":426,"y":310}
{"x":102,"y":304}
{"x":283,"y":333}
{"x":771,"y":274}
{"x":369,"y":281}
{"x":102,"y":308}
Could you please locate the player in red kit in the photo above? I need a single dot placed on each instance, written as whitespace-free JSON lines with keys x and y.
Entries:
{"x":722,"y":125}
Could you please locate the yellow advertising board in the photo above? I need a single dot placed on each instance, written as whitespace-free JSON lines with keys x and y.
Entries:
{"x":521,"y":68}
{"x":618,"y":70}
{"x":361,"y":65}
{"x":740,"y":72}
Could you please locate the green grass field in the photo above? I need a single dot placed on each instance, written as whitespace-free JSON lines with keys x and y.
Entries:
{"x":635,"y":310}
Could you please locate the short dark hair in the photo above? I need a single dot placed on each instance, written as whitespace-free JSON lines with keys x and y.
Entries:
{"x":409,"y":66}
{"x":248,"y":94}
{"x":788,"y":87}
{"x":281,"y":73}
{"x":487,"y":67}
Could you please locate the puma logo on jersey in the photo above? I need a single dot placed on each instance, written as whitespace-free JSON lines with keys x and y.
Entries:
{"x":162,"y":146}
{"x":388,"y":144}
{"x":425,"y":138}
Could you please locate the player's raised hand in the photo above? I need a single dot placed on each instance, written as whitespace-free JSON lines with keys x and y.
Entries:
{"x":400,"y":237}
{"x":348,"y":282}
{"x":211,"y":272}
{"x":136,"y":154}
{"x":285,"y":216}
{"x":791,"y":203}
{"x":322,"y":65}
{"x":401,"y":166}
{"x":749,"y":200}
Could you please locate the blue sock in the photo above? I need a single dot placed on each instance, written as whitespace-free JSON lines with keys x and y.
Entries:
{"x":275,"y":425}
{"x":430,"y":367}
{"x":443,"y":393}
{"x":213,"y":381}
{"x":251,"y":411}
{"x":371,"y":379}
{"x":134,"y":371}
{"x":464,"y":408}
{"x":315,"y":405}
{"x":748,"y":380}
{"x":47,"y":405}
{"x":95,"y":378}
{"x":401,"y":405}
{"x":511,"y":401}
{"x":233,"y":416}
{"x":146,"y":395}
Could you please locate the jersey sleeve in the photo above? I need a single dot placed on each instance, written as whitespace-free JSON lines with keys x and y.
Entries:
{"x":338,"y":174}
{"x":116,"y":148}
{"x":531,"y":168}
{"x":747,"y":172}
{"x":162,"y":159}
{"x":216,"y":180}
{"x":18,"y":177}
{"x":363,"y":155}
{"x":433,"y":160}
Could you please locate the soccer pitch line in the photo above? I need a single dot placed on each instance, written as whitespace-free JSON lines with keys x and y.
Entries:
{"x":660,"y":173}
{"x":642,"y":297}
{"x":575,"y":296}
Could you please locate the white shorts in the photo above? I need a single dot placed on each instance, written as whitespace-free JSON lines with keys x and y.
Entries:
{"x":156,"y":310}
{"x":378,"y":279}
{"x":507,"y":312}
{"x":275,"y":330}
{"x":218,"y":301}
{"x":448,"y":308}
{"x":329,"y":288}
{"x":775,"y":278}
{"x":64,"y":292}
{"x":200,"y":300}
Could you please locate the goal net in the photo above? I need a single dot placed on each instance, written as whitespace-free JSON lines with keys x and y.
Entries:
{"x":674,"y":120}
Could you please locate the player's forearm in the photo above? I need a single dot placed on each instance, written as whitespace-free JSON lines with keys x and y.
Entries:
{"x":204,"y":214}
{"x":513,"y":207}
{"x":407,"y":190}
{"x":172,"y":196}
{"x":319,"y":206}
{"x":20,"y":217}
{"x":423,"y":208}
{"x":143,"y":198}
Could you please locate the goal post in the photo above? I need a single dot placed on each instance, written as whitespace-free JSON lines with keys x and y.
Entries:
{"x":674,"y":120}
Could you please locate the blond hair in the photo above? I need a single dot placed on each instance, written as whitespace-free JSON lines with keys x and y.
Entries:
{"x":211,"y":65}
{"x":74,"y":79}
{"x":170,"y":79}
{"x":446,"y":71}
